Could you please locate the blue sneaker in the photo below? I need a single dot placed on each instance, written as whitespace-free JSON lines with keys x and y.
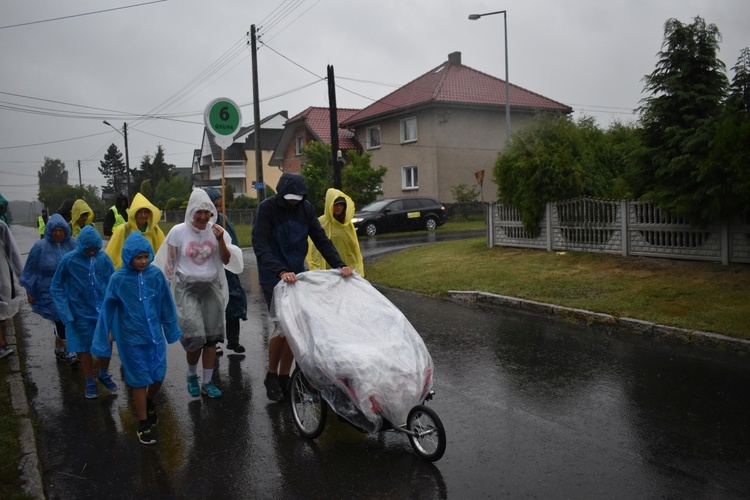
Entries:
{"x":194,"y":387}
{"x":107,"y":382}
{"x":91,"y":391}
{"x":210,"y":390}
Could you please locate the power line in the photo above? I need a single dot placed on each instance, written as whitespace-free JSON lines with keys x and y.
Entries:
{"x":79,"y":15}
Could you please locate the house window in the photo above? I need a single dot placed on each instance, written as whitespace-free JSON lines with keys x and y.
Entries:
{"x":298,"y":143}
{"x":372,"y":138}
{"x":409,"y":130}
{"x":410,"y":177}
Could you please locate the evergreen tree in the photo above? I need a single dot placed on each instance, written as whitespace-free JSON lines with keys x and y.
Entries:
{"x":113,"y":169}
{"x":686,"y":94}
{"x":51,"y":174}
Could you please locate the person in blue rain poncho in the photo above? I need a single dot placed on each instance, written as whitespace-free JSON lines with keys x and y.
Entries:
{"x":37,"y":275}
{"x":139,"y":311}
{"x":77,"y":289}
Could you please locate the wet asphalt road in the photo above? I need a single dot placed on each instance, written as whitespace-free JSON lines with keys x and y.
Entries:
{"x":532,"y":408}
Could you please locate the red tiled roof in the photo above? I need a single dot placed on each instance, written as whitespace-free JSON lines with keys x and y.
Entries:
{"x":454,"y":83}
{"x":319,"y":123}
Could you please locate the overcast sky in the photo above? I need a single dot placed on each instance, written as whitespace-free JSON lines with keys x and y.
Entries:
{"x":66,"y":66}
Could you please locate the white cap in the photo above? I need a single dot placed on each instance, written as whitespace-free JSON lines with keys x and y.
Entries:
{"x":291,"y":196}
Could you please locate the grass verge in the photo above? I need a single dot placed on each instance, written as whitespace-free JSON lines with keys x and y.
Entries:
{"x":686,"y":294}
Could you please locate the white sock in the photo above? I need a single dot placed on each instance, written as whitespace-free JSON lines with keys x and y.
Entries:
{"x":192,"y":369}
{"x":207,"y":374}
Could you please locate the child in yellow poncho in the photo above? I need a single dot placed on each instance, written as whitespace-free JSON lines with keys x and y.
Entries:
{"x":143,"y":217}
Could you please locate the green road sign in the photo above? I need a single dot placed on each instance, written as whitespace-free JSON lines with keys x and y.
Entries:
{"x":223,"y":119}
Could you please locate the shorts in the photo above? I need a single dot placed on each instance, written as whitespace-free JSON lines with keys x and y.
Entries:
{"x":80,"y":335}
{"x":200,"y":313}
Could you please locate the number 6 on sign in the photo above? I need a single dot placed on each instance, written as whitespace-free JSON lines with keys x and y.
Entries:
{"x":223,"y":119}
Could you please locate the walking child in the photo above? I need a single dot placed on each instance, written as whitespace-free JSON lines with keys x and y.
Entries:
{"x":78,"y":288}
{"x":139,"y":310}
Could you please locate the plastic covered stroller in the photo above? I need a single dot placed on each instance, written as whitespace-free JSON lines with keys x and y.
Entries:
{"x":356,"y":352}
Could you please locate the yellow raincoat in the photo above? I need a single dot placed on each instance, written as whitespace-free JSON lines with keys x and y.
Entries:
{"x":152,"y":231}
{"x":80,"y":207}
{"x":343,"y":235}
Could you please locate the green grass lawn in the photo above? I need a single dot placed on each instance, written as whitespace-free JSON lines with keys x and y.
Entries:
{"x":687,"y":294}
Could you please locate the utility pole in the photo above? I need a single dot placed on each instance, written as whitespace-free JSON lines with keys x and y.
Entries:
{"x":256,"y":119}
{"x":80,"y":184}
{"x":334,"y":119}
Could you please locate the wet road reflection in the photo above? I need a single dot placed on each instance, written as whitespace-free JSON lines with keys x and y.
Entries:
{"x":531,"y":408}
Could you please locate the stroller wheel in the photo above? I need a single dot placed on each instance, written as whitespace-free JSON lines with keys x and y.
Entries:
{"x":427,"y":435}
{"x":309,"y":410}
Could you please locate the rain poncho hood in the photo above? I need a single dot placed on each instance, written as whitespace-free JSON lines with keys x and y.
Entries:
{"x":184,"y":249}
{"x":80,"y":281}
{"x":342,"y":234}
{"x":41,"y":264}
{"x":153,"y":232}
{"x":80,"y":207}
{"x":139,"y":311}
{"x":10,"y":271}
{"x":281,"y":230}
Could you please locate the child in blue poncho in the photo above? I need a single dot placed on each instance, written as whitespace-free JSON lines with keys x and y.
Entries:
{"x":78,"y":288}
{"x":37,"y":275}
{"x":139,"y":311}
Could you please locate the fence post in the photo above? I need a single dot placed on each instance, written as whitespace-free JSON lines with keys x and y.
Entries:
{"x":548,"y":210}
{"x":724,"y":245}
{"x":490,"y":225}
{"x":624,"y":216}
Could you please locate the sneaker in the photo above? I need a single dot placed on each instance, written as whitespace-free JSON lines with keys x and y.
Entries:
{"x":73,"y":359}
{"x":147,"y":434}
{"x":210,"y":390}
{"x":151,"y":415}
{"x":107,"y":382}
{"x":91,"y":391}
{"x":5,"y":350}
{"x":273,"y":389}
{"x":61,"y":355}
{"x":236,"y":348}
{"x":219,"y":350}
{"x":194,"y":387}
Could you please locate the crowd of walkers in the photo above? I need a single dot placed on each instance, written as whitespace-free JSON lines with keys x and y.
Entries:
{"x":148,"y":289}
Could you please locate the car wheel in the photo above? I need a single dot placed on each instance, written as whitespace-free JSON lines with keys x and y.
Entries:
{"x":430,"y":224}
{"x":371,"y":229}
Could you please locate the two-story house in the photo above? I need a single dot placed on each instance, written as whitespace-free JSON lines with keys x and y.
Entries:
{"x":442,"y":128}
{"x":239,"y":158}
{"x":312,"y":124}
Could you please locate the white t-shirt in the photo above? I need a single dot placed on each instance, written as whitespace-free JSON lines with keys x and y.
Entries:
{"x":198,"y":251}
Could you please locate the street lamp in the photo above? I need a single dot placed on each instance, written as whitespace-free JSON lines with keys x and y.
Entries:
{"x":124,"y":133}
{"x":474,"y":17}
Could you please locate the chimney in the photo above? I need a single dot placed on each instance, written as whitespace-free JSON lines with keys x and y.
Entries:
{"x":454,"y":58}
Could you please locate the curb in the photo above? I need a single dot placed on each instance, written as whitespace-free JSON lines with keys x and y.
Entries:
{"x":28,"y":463}
{"x":697,"y":338}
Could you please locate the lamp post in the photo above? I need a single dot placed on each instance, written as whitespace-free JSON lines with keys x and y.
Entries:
{"x":474,"y":17}
{"x":124,"y":134}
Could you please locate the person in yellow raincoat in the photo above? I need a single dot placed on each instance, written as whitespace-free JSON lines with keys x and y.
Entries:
{"x":337,"y":223}
{"x":143,"y":217}
{"x":81,"y":216}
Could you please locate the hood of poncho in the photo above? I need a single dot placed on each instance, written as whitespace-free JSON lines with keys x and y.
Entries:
{"x":135,"y":244}
{"x":199,"y":200}
{"x":89,"y":238}
{"x":55,"y":221}
{"x":139,"y":202}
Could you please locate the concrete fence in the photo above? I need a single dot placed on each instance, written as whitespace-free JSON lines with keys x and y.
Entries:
{"x":624,"y":227}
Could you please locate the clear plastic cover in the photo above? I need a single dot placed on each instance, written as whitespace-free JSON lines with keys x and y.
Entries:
{"x":354,"y":346}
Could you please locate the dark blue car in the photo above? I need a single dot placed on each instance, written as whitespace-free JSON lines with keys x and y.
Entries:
{"x":400,"y":214}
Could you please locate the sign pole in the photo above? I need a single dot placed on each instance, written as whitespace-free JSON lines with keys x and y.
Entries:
{"x":223,"y":196}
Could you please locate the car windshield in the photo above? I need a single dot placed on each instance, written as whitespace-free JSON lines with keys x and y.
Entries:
{"x":375,"y":206}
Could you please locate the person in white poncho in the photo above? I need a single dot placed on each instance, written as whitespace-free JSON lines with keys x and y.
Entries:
{"x":193,"y":258}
